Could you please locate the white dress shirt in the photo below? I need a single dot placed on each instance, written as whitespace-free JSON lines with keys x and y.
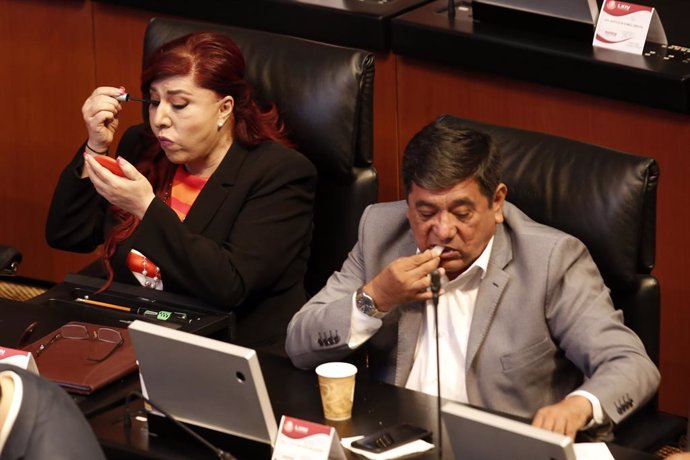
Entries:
{"x":455,"y":311}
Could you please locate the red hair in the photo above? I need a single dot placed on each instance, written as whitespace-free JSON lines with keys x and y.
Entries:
{"x":214,"y":62}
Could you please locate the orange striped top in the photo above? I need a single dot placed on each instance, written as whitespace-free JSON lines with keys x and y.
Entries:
{"x":185,"y":189}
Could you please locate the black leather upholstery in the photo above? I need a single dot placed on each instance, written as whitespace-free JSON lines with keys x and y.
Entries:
{"x":324,"y":94}
{"x":607,"y":199}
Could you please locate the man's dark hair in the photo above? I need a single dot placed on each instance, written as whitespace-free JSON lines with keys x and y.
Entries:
{"x":445,"y":153}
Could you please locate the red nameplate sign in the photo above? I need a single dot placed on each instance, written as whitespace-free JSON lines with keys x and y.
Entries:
{"x":307,"y":441}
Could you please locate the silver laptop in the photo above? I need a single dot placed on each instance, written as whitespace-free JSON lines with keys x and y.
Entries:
{"x":204,"y":382}
{"x":479,"y":435}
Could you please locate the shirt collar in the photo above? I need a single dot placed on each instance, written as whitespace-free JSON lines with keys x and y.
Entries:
{"x":483,"y":260}
{"x":480,"y":265}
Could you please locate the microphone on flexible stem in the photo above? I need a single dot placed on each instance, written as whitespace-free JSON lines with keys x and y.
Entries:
{"x":435,"y":286}
{"x":451,"y":8}
{"x":435,"y":291}
{"x":220,"y":453}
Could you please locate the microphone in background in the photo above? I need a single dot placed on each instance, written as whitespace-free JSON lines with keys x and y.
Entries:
{"x":435,"y":291}
{"x":451,"y":8}
{"x":127,"y":420}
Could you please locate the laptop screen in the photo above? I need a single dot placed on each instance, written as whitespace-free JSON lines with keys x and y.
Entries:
{"x":204,"y":382}
{"x":478,"y":435}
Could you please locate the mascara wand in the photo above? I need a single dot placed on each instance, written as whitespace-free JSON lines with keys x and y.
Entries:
{"x":126,"y":98}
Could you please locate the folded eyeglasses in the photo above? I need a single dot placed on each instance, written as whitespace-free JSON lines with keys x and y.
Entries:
{"x":80,"y":332}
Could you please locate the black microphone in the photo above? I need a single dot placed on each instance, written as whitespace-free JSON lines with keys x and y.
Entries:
{"x":127,"y":420}
{"x":435,"y":286}
{"x":435,"y":291}
{"x":451,"y":8}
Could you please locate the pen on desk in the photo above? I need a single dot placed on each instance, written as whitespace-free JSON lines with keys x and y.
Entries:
{"x":103,"y":304}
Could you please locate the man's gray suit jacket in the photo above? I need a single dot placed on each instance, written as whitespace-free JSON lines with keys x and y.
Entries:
{"x":543,"y":325}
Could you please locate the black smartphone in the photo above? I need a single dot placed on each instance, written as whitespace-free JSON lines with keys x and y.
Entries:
{"x":391,"y":437}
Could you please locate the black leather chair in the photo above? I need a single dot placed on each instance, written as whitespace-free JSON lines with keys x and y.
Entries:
{"x":324,"y":94}
{"x":10,"y":258}
{"x":607,"y":199}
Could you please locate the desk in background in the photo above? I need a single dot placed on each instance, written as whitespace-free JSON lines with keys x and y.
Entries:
{"x":659,"y":78}
{"x":296,"y":393}
{"x":355,"y":23}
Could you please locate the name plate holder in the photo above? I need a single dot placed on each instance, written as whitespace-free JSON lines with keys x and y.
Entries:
{"x":307,"y":441}
{"x":18,"y":358}
{"x":627,"y":27}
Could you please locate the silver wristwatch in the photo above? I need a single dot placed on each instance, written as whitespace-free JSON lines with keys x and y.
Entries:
{"x":366,"y":304}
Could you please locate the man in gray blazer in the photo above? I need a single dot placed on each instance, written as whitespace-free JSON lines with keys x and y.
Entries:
{"x":526,"y":324}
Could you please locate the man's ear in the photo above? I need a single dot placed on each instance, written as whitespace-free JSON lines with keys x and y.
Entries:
{"x":499,"y":199}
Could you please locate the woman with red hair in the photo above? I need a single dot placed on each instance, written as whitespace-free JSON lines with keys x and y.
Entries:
{"x":213,"y":202}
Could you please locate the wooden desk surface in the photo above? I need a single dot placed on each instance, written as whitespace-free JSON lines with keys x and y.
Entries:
{"x":296,"y":393}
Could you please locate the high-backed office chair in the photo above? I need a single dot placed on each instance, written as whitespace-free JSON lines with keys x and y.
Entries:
{"x":607,"y":199}
{"x":324,"y":94}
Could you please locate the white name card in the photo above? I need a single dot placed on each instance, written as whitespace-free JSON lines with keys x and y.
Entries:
{"x":18,"y":358}
{"x":306,"y":441}
{"x":626,"y":27}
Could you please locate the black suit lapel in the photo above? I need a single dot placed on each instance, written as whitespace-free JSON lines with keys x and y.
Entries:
{"x":216,"y":190}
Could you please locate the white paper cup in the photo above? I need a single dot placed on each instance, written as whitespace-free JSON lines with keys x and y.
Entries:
{"x":337,"y":386}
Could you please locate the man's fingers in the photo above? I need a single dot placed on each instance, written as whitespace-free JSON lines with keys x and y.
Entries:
{"x":422,"y":266}
{"x":564,"y":417}
{"x":571,"y":430}
{"x":559,"y":425}
{"x":422,"y":258}
{"x":404,"y":280}
{"x":542,"y":420}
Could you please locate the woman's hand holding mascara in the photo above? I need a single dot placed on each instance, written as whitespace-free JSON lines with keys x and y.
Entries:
{"x":120,"y":184}
{"x":101,"y":114}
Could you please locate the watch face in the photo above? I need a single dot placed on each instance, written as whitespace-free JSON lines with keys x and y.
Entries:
{"x":365,"y":304}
